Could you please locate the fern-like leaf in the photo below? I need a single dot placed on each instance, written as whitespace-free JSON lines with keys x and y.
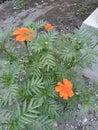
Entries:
{"x":48,"y":61}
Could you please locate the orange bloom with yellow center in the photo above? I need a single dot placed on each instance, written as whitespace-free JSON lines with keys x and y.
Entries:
{"x":48,"y":27}
{"x":65,"y":89}
{"x":24,"y":34}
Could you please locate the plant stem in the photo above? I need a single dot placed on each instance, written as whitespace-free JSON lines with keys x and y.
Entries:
{"x":27,"y":49}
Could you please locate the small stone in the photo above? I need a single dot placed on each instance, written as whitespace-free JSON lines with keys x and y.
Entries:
{"x":36,"y":4}
{"x":40,"y":6}
{"x":6,"y":62}
{"x":45,"y":3}
{"x":77,"y":93}
{"x":95,"y":119}
{"x":85,"y":120}
{"x":55,"y":124}
{"x":79,"y":106}
{"x":92,"y":120}
{"x":21,"y":78}
{"x":42,"y":1}
{"x":33,"y":10}
{"x":67,"y":125}
{"x":72,"y":127}
{"x":9,"y":20}
{"x":22,"y":15}
{"x":75,"y":3}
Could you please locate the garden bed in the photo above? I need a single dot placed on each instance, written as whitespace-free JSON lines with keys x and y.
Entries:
{"x":65,"y":15}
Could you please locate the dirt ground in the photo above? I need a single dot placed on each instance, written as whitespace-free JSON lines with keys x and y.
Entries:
{"x":65,"y":15}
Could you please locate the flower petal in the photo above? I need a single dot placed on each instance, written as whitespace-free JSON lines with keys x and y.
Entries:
{"x":16,"y":32}
{"x":58,"y":88}
{"x":67,"y":83}
{"x":71,"y":93}
{"x":60,"y":84}
{"x":20,"y":38}
{"x":65,"y":96}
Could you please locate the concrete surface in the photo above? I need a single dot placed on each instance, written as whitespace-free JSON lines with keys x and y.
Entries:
{"x":92,"y":22}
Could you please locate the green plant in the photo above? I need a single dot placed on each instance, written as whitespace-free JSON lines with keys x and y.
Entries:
{"x":1,"y":1}
{"x":20,"y":3}
{"x":29,"y":74}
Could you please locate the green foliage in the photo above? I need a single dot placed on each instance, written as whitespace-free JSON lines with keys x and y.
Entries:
{"x":1,"y":1}
{"x":28,"y":100}
{"x":90,"y":102}
{"x":35,"y":25}
{"x":20,"y":3}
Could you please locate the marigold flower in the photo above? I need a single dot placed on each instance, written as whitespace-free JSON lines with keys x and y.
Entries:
{"x":24,"y":34}
{"x":48,"y":27}
{"x":64,"y":89}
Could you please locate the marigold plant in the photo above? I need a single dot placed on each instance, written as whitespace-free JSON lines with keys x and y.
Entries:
{"x":32,"y":94}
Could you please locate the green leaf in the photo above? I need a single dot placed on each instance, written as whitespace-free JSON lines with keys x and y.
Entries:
{"x":48,"y":61}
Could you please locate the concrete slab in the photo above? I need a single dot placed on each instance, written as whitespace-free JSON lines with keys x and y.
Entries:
{"x":92,"y":22}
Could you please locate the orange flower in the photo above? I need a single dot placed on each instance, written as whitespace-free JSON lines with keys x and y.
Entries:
{"x":24,"y":34}
{"x":65,"y":89}
{"x":48,"y":27}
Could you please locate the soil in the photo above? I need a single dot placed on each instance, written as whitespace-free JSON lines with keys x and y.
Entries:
{"x":65,"y":15}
